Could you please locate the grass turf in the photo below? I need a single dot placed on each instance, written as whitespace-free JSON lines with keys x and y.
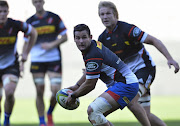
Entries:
{"x":24,"y":113}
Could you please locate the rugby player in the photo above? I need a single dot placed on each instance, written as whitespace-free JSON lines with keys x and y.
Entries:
{"x":101,"y":63}
{"x":126,"y":41}
{"x":46,"y":56}
{"x":9,"y":58}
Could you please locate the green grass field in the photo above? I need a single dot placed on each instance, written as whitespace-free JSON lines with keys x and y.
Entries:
{"x":24,"y":113}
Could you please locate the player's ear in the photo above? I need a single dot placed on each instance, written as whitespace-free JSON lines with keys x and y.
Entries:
{"x":91,"y":36}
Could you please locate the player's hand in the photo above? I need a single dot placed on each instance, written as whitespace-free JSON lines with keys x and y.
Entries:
{"x":23,"y":58}
{"x":175,"y":64}
{"x":47,"y":45}
{"x":70,"y":100}
{"x":21,"y":67}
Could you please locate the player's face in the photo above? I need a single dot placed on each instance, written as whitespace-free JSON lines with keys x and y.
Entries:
{"x":3,"y":14}
{"x":107,"y":16}
{"x":38,"y":4}
{"x":82,"y":39}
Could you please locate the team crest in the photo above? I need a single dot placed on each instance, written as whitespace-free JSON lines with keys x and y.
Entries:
{"x":136,"y":31}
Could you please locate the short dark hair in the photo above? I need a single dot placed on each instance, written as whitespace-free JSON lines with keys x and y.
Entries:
{"x":82,"y":27}
{"x":4,"y":3}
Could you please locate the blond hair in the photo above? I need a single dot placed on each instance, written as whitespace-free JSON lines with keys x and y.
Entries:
{"x":109,"y":5}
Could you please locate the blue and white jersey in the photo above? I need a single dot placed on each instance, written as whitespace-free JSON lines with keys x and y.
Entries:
{"x":8,"y":41}
{"x":102,"y":63}
{"x":126,"y":41}
{"x":49,"y":27}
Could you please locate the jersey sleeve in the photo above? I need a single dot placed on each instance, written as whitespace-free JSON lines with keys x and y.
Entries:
{"x":26,"y":39}
{"x":93,"y":68}
{"x":135,"y":34}
{"x":61,"y":26}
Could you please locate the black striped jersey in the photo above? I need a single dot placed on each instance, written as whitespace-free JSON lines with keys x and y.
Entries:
{"x":126,"y":41}
{"x":49,"y":27}
{"x":102,"y":63}
{"x":8,"y":40}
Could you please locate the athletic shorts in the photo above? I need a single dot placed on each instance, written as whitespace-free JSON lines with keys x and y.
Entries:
{"x":123,"y":93}
{"x":13,"y":69}
{"x":43,"y":67}
{"x":146,"y":76}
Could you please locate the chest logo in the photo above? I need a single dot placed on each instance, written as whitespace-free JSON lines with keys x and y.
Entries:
{"x":91,"y":66}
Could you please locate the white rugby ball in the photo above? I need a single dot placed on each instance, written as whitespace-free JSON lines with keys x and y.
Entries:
{"x":61,"y":97}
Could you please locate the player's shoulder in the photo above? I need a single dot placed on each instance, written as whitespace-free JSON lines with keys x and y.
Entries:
{"x":95,"y":49}
{"x":52,"y":14}
{"x":30,"y":18}
{"x":124,"y":25}
{"x":14,"y":21}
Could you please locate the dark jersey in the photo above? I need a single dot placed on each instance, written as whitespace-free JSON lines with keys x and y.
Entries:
{"x":8,"y":41}
{"x":126,"y":42}
{"x":101,"y":63}
{"x":49,"y":27}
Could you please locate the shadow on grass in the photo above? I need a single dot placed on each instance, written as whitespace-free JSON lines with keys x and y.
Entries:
{"x":169,"y":123}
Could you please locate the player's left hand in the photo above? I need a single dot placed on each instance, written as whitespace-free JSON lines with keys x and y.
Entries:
{"x":175,"y":64}
{"x":70,"y":100}
{"x":22,"y":61}
{"x":47,"y":45}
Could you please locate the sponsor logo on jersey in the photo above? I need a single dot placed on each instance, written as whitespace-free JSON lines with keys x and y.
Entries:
{"x":45,"y":29}
{"x":99,"y":44}
{"x":115,"y":44}
{"x":35,"y":22}
{"x":127,"y":42}
{"x":136,"y":32}
{"x":10,"y":31}
{"x":50,"y":20}
{"x":126,"y":100}
{"x":91,"y":66}
{"x":108,"y":38}
{"x":119,"y":51}
{"x":7,"y":40}
{"x":34,"y":67}
{"x":119,"y":60}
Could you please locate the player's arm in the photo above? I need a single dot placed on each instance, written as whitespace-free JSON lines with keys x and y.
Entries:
{"x":30,"y":41}
{"x":161,"y":47}
{"x":79,"y":83}
{"x":32,"y":37}
{"x":55,"y":43}
{"x":84,"y":89}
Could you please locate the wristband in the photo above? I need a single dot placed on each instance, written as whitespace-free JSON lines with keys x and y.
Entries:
{"x":73,"y":96}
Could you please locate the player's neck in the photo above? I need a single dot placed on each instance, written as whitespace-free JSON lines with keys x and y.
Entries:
{"x":40,"y":13}
{"x":111,"y":28}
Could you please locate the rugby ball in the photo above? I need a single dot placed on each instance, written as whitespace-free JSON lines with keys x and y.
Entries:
{"x":61,"y":97}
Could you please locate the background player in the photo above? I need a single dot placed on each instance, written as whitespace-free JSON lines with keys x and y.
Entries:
{"x":126,"y":40}
{"x":46,"y":56}
{"x":9,"y":64}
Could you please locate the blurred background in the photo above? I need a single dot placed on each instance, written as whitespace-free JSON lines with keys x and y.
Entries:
{"x":159,"y":18}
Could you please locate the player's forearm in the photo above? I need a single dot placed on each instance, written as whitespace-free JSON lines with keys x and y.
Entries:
{"x":82,"y":80}
{"x":28,"y":45}
{"x":159,"y":45}
{"x":59,"y":41}
{"x":85,"y":88}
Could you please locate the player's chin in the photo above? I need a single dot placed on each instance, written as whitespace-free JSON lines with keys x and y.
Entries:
{"x":106,"y":24}
{"x":82,"y":48}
